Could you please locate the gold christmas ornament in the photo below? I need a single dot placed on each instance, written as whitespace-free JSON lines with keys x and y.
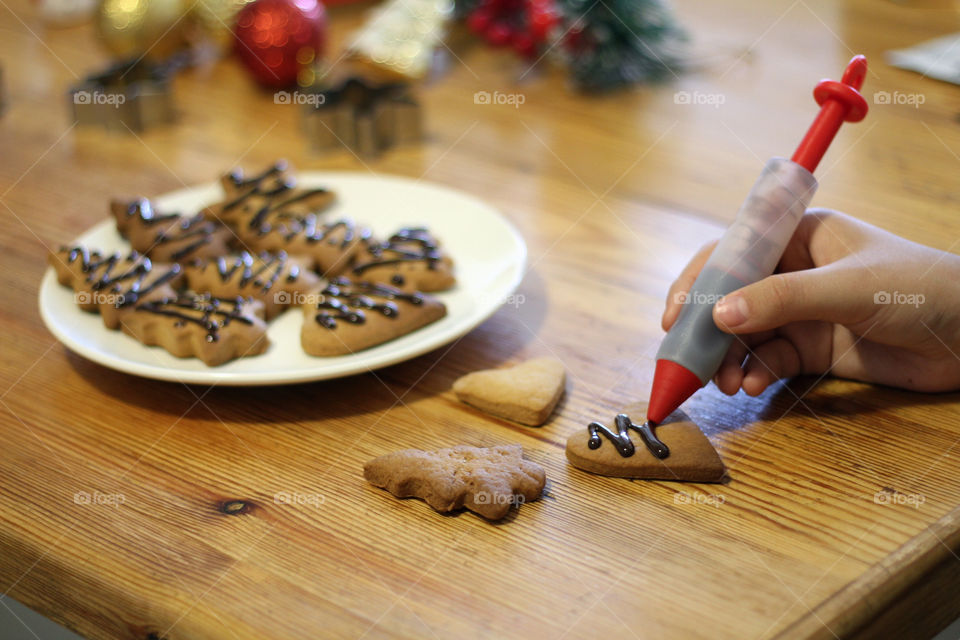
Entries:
{"x":132,"y":27}
{"x":400,"y":37}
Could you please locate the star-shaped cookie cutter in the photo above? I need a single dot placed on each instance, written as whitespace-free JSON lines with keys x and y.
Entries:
{"x":363,"y":117}
{"x":130,"y":95}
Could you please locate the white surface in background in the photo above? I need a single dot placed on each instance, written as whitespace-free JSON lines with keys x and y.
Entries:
{"x":939,"y":58}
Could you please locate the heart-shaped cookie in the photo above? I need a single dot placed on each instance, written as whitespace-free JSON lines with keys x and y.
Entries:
{"x":621,"y":449}
{"x":526,"y":393}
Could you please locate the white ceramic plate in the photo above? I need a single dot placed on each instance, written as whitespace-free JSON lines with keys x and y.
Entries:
{"x":488,"y":252}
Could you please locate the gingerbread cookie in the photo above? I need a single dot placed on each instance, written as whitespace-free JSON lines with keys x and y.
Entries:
{"x":274,"y":188}
{"x":329,"y":247}
{"x":526,"y":393}
{"x":411,"y":259}
{"x":276,"y":280}
{"x":215,"y":330}
{"x":673,"y":450}
{"x":268,"y":212}
{"x":350,"y":316}
{"x":112,"y":284}
{"x":485,"y":480}
{"x":169,"y":237}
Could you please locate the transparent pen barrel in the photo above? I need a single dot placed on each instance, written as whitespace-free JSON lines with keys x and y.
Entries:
{"x":748,"y":251}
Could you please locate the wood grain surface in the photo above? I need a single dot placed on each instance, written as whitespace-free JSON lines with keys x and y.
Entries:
{"x":242,"y":513}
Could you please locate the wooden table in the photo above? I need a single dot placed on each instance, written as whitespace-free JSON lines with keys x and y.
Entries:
{"x":613,"y":195}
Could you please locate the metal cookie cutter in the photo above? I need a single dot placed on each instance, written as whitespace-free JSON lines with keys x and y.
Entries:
{"x":130,"y":95}
{"x":362,"y":117}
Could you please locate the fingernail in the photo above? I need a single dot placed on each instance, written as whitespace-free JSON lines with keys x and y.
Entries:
{"x":732,"y":310}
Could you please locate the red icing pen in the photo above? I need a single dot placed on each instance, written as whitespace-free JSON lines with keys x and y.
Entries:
{"x":693,"y":349}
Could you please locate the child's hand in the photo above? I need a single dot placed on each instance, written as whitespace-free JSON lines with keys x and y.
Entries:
{"x":849,"y":299}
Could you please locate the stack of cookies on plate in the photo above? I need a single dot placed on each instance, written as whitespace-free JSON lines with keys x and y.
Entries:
{"x":205,"y":285}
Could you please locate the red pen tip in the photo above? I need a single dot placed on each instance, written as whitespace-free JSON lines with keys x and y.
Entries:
{"x":672,"y":385}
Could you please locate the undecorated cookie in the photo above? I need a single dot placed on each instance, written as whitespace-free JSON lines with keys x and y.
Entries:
{"x":526,"y":393}
{"x":620,"y":450}
{"x":485,"y":480}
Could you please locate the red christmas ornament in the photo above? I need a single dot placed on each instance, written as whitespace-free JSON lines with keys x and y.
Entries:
{"x":479,"y":21}
{"x":279,"y":40}
{"x":499,"y":34}
{"x":523,"y":24}
{"x":542,"y":18}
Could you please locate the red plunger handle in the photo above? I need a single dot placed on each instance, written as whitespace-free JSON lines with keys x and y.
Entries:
{"x":839,"y":102}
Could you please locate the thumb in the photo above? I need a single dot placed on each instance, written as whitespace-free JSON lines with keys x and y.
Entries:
{"x":826,"y":293}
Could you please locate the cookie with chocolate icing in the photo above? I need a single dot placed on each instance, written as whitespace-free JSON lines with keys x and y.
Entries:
{"x":268,"y":212}
{"x":274,"y":188}
{"x":676,"y":449}
{"x":169,"y":237}
{"x":349,"y":316}
{"x":485,"y":480}
{"x":525,"y":393}
{"x":411,"y":259}
{"x":215,"y":330}
{"x":111,"y":284}
{"x":275,"y":279}
{"x":329,"y":247}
